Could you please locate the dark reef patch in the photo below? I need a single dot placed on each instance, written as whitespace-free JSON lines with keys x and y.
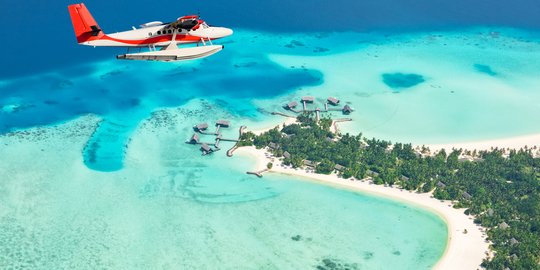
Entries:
{"x":485,"y":69}
{"x":320,"y":50}
{"x":335,"y":264}
{"x":402,"y":80}
{"x":368,"y":255}
{"x":294,"y":44}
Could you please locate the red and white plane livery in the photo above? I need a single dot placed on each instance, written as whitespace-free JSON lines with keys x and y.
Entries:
{"x":162,"y":39}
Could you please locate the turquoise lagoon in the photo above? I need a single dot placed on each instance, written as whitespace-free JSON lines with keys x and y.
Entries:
{"x":170,"y":208}
{"x":130,"y":194}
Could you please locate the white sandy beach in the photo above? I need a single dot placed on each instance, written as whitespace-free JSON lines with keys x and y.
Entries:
{"x":464,"y":251}
{"x":513,"y":143}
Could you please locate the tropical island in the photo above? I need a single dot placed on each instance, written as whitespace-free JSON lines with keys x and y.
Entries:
{"x":499,"y":188}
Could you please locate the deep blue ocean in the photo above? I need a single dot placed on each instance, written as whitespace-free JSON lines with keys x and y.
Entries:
{"x":37,"y":35}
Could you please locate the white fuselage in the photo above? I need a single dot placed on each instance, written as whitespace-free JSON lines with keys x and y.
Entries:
{"x":158,"y":36}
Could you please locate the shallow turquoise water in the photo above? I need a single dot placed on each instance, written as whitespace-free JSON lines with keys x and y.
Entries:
{"x":170,"y":208}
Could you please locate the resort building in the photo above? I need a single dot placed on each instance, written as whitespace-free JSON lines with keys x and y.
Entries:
{"x":372,"y":173}
{"x":194,"y":139}
{"x":514,"y":241}
{"x":310,"y":163}
{"x":206,"y":149}
{"x":223,"y":123}
{"x":291,"y":105}
{"x":339,"y":167}
{"x":308,"y":99}
{"x":286,"y":154}
{"x":333,"y":101}
{"x":347,"y":109}
{"x":201,"y":127}
{"x":273,"y":145}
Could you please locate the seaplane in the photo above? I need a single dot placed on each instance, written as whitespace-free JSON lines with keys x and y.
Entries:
{"x":161,"y":39}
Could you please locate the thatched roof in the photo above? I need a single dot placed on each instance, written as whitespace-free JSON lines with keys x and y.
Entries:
{"x":308,"y":99}
{"x":194,"y":138}
{"x":309,"y":163}
{"x":514,"y":241}
{"x":286,"y":154}
{"x":292,"y":104}
{"x":333,"y":100}
{"x":347,"y":109}
{"x":206,"y":148}
{"x":201,"y":126}
{"x":441,"y":184}
{"x":223,"y":123}
{"x":273,"y":145}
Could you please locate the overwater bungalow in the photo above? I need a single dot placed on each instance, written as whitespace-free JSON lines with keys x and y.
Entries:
{"x":194,"y":139}
{"x":347,"y":109}
{"x":291,"y":105}
{"x":308,"y":99}
{"x":201,"y":127}
{"x":206,"y":149}
{"x":333,"y":101}
{"x":223,"y":123}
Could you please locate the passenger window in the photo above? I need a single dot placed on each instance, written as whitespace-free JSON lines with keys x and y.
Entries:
{"x":159,"y":32}
{"x":150,"y":34}
{"x":170,"y":31}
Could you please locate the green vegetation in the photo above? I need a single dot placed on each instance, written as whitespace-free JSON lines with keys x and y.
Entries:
{"x":501,"y":191}
{"x":269,"y":165}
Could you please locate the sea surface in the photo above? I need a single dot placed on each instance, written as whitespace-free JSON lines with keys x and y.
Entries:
{"x":126,"y":198}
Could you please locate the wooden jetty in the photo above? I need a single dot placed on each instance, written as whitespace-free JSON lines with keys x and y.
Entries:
{"x":307,"y":99}
{"x":339,"y":120}
{"x":258,"y":173}
{"x":235,"y":146}
{"x":283,"y":114}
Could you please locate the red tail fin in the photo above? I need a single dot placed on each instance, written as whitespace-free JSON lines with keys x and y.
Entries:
{"x":86,"y":28}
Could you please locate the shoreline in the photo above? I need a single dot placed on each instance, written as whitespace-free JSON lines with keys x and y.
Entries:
{"x":463,"y":251}
{"x":515,"y":142}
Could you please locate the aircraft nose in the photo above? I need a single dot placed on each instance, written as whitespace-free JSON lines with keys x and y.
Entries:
{"x":222,"y":31}
{"x":212,"y":32}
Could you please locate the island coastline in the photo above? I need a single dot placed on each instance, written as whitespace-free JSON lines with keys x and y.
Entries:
{"x":466,"y":247}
